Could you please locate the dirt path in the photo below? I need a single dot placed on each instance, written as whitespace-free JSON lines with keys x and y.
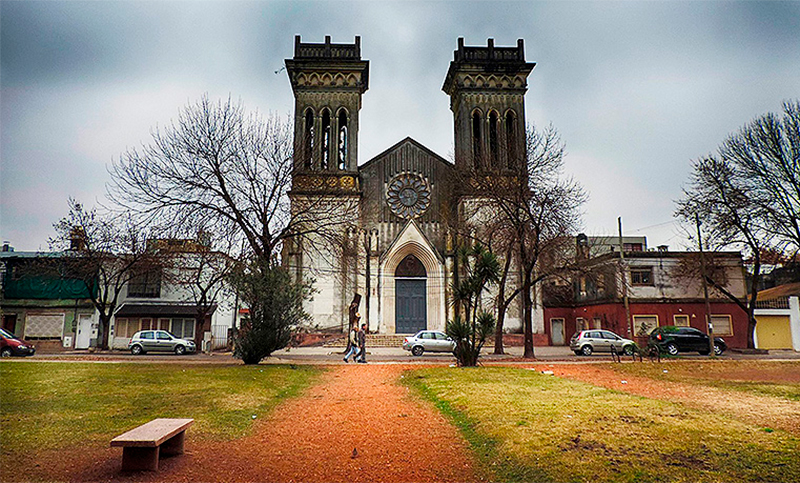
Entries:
{"x":771,"y":412}
{"x":311,"y":439}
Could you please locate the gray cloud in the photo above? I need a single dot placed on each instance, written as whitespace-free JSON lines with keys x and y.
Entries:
{"x":637,"y":89}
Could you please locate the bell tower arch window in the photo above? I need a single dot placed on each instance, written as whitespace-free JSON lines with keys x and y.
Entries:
{"x":308,"y":138}
{"x":342,"y":139}
{"x":476,"y":139}
{"x":494,"y":143}
{"x":326,"y":139}
{"x":512,"y":151}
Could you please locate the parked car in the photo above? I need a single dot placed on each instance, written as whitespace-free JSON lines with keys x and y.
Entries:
{"x":159,"y":341}
{"x":587,"y":342}
{"x":672,"y":340}
{"x":11,"y":346}
{"x":429,"y":340}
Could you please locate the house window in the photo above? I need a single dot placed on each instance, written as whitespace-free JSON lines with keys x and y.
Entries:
{"x":580,"y":324}
{"x":644,"y":324}
{"x":596,"y":323}
{"x":183,"y":328}
{"x":681,"y":320}
{"x":146,"y":284}
{"x":642,"y":276}
{"x":721,"y":324}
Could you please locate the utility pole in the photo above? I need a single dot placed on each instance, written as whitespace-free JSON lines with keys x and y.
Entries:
{"x":624,"y":278}
{"x":709,"y":327}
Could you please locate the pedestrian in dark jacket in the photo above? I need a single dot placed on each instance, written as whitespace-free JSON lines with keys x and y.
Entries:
{"x":362,"y":343}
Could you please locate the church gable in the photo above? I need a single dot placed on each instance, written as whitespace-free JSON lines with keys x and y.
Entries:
{"x":407,"y":159}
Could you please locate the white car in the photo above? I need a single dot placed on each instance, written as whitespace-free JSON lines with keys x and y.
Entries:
{"x":429,"y":340}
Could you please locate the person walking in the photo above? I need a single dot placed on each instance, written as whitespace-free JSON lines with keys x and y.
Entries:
{"x":362,"y":344}
{"x":352,"y":342}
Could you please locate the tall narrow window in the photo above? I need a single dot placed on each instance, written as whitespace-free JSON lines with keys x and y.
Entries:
{"x":494,"y":147}
{"x":512,"y":151}
{"x":326,"y":139}
{"x":308,"y":139}
{"x":343,"y":139}
{"x":476,"y":139}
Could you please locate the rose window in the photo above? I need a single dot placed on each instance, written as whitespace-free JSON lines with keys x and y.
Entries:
{"x":408,"y":195}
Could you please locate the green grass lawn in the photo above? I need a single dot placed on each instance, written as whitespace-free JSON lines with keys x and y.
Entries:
{"x":526,"y":426}
{"x":765,"y":378}
{"x":53,"y":405}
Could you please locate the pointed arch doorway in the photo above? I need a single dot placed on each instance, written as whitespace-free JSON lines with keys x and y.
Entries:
{"x":411,"y":308}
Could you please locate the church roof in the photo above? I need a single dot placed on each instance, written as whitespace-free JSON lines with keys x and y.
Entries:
{"x":400,"y":144}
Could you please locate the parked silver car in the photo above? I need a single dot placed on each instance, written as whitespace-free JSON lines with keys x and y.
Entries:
{"x":586,"y":342}
{"x":159,"y":341}
{"x":428,"y":340}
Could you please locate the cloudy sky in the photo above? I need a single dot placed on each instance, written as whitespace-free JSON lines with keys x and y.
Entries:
{"x":636,"y":89}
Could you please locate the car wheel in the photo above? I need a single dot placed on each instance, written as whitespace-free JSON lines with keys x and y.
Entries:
{"x":137,"y":350}
{"x":587,"y":350}
{"x":628,"y":350}
{"x":672,"y":349}
{"x":6,"y":352}
{"x":718,"y":350}
{"x":180,"y":350}
{"x":417,"y":350}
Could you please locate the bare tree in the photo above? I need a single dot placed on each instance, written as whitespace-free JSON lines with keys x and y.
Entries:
{"x":765,"y":155}
{"x":539,"y":208}
{"x":229,"y":171}
{"x":724,"y":200}
{"x":105,"y":251}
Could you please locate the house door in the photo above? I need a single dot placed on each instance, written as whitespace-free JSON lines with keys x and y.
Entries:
{"x":10,"y":322}
{"x":411,"y":295}
{"x":557,"y":331}
{"x":86,"y":331}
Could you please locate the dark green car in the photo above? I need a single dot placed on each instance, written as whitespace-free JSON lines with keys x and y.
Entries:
{"x":672,"y":340}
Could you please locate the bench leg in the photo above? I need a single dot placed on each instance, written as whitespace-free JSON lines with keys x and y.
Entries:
{"x":174,"y":445}
{"x":137,"y":458}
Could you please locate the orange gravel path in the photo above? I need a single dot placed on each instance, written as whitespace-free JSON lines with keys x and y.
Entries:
{"x":311,"y":439}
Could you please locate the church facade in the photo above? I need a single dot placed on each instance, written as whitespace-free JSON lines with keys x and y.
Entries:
{"x":398,"y":252}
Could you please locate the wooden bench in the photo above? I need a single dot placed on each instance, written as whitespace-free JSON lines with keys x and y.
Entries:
{"x":142,"y":446}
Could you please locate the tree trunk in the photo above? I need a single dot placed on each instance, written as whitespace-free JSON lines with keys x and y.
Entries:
{"x":528,"y":316}
{"x":105,"y":328}
{"x":498,"y":330}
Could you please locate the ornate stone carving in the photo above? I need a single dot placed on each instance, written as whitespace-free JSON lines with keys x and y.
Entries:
{"x":408,"y":195}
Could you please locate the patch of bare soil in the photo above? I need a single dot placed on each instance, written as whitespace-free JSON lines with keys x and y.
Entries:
{"x":357,"y":425}
{"x":763,"y":411}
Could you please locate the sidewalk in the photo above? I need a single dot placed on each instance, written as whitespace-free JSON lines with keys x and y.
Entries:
{"x":333,"y":355}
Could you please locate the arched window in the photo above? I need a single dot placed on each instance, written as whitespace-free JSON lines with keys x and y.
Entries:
{"x":326,"y":139}
{"x":494,"y":146}
{"x":476,"y":139}
{"x":512,"y":151}
{"x":343,"y":139}
{"x":410,"y":267}
{"x":308,"y":139}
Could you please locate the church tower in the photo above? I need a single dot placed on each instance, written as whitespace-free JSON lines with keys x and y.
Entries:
{"x":487,"y":88}
{"x":328,"y":81}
